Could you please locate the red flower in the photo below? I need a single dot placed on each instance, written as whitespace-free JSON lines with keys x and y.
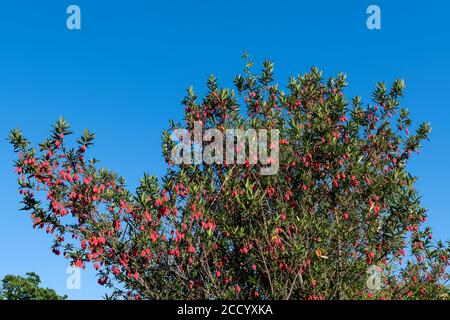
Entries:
{"x":147,"y":216}
{"x":79,"y":264}
{"x":376,"y":209}
{"x":87,"y":180}
{"x":117,"y":225}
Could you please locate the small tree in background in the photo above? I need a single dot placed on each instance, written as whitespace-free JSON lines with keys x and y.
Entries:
{"x":21,"y":288}
{"x":341,"y":203}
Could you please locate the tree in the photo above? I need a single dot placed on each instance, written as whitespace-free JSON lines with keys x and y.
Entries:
{"x":20,"y":288}
{"x":341,"y":204}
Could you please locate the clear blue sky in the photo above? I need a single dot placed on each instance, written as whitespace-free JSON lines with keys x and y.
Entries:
{"x":124,"y":74}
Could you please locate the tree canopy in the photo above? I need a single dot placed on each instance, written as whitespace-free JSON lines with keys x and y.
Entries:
{"x":26,"y":288}
{"x":342,"y":202}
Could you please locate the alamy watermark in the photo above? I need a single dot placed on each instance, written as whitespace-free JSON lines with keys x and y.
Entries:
{"x":374,"y":20}
{"x":191,"y":148}
{"x":74,"y":279}
{"x":375,"y":279}
{"x":73,"y":21}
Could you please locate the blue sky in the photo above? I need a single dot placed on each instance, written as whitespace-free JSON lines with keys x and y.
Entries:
{"x":124,"y":74}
